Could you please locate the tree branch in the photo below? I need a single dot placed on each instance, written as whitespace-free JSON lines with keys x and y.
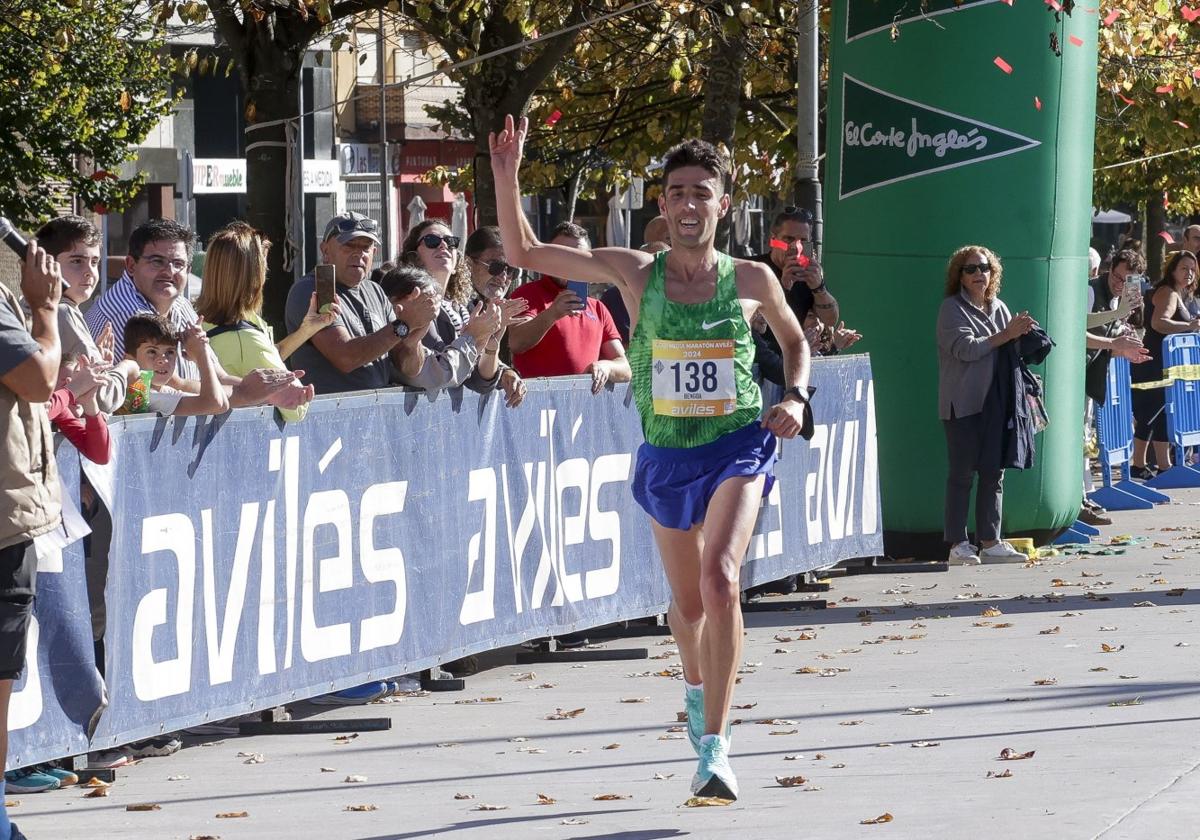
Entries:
{"x":230,"y":26}
{"x":759,"y":106}
{"x":542,"y":66}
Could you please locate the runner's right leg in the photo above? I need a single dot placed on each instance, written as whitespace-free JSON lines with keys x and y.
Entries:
{"x":680,"y":552}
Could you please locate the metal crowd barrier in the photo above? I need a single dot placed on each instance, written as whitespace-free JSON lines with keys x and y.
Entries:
{"x":1114,"y":427}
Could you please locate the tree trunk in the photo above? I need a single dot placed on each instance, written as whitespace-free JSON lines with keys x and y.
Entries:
{"x":722,"y":102}
{"x":1156,"y":223}
{"x":573,"y":194}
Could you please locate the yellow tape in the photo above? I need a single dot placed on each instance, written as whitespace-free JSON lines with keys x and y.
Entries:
{"x":1186,"y":373}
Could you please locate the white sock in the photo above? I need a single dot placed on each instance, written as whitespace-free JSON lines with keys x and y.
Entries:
{"x":697,"y":687}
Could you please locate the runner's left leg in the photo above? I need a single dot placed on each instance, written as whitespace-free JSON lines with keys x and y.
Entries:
{"x":728,"y":526}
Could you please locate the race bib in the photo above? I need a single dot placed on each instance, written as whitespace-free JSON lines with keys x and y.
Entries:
{"x":694,"y":378}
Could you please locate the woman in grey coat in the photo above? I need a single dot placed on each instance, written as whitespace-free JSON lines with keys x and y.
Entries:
{"x":972,"y":324}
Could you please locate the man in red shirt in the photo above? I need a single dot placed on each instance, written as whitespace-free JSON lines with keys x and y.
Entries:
{"x":568,"y":335}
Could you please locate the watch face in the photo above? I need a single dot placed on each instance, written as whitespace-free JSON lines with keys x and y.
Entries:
{"x":401,"y":328}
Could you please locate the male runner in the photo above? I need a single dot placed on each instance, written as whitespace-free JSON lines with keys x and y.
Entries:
{"x":706,"y":463}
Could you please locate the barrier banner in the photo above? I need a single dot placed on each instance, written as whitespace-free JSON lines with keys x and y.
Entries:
{"x":60,"y":692}
{"x":255,"y":563}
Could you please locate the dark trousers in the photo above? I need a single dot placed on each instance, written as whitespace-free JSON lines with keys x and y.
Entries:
{"x":18,"y":585}
{"x":964,"y":443}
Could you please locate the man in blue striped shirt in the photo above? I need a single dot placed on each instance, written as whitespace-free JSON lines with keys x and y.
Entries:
{"x":156,"y":270}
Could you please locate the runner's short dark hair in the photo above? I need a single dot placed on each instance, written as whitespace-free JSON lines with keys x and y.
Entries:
{"x":61,"y":234}
{"x":572,"y":230}
{"x":159,"y":230}
{"x":696,"y":153}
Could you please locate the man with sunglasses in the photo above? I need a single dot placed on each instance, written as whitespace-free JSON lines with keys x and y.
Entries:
{"x":568,"y":335}
{"x":355,"y":352}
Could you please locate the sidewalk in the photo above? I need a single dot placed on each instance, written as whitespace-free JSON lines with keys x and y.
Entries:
{"x":928,"y":690}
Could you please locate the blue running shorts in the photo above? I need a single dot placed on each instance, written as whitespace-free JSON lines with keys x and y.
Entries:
{"x":675,"y":486}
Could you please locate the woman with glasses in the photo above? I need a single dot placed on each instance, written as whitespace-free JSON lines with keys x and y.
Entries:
{"x":491,"y":276}
{"x":431,"y":246}
{"x":972,"y":325}
{"x":235,"y":272}
{"x":1165,"y":313}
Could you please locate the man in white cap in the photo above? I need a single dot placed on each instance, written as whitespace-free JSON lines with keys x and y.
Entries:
{"x":352,"y":354}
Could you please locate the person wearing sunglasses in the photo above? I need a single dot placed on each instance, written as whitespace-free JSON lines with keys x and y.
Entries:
{"x":973,"y":323}
{"x":491,"y":276}
{"x":431,"y":246}
{"x":791,"y":258}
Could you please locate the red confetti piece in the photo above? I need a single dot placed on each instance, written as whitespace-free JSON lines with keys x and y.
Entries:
{"x":1180,"y":123}
{"x":100,"y":208}
{"x":553,"y":118}
{"x":1037,"y":103}
{"x":1111,"y":17}
{"x":1125,"y":99}
{"x":1196,"y":73}
{"x":1164,"y":88}
{"x":1003,"y":65}
{"x":1167,"y":237}
{"x":1189,"y":14}
{"x":1076,"y":40}
{"x":780,"y":244}
{"x":1006,"y":2}
{"x":1055,"y":5}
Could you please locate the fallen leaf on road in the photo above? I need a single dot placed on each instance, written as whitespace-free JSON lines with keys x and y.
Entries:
{"x":233,"y":815}
{"x":520,"y":739}
{"x":991,"y":612}
{"x":464,"y":796}
{"x":783,"y":731}
{"x":531,"y":750}
{"x":354,"y":779}
{"x":819,"y":756}
{"x":1098,"y":668}
{"x":670,"y":737}
{"x":849,"y":722}
{"x":1144,"y":604}
{"x":94,"y":793}
{"x":611,"y":797}
{"x":252,"y":758}
{"x":1126,"y":677}
{"x":795,"y":757}
{"x":611,"y":747}
{"x":528,"y":676}
{"x":144,"y":806}
{"x":1071,"y":614}
{"x":836,"y":766}
{"x":543,"y":685}
{"x":1050,"y":631}
{"x":707,"y":802}
{"x":635,"y":699}
{"x":358,"y":808}
{"x":743,"y":707}
{"x":95,"y":783}
{"x":662,"y":776}
{"x":913,"y":710}
{"x":1009,"y":754}
{"x":483,"y":807}
{"x":1136,"y":701}
{"x":573,"y":821}
{"x":882,"y":818}
{"x":776,"y":722}
{"x":345,"y":739}
{"x":1111,"y":648}
{"x":179,"y":778}
{"x":1004,"y":774}
{"x":926,"y":743}
{"x":543,"y":799}
{"x":472,"y":702}
{"x":790,"y":781}
{"x":1047,"y":681}
{"x":562,"y":714}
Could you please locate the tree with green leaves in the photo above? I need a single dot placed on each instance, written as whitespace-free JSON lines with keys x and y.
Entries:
{"x":1147,"y":113}
{"x":81,"y":85}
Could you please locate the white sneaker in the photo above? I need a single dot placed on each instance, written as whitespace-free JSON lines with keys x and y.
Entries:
{"x":963,"y":554}
{"x":1002,"y":552}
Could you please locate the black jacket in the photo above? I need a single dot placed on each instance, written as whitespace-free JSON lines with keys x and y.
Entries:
{"x":1008,"y":419}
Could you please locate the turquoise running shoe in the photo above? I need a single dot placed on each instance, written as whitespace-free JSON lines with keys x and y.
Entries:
{"x":714,"y":776}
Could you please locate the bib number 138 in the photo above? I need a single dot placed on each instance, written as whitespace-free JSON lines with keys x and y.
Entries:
{"x":694,"y":378}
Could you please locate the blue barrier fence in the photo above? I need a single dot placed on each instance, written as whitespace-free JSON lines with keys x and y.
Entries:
{"x":1114,"y":433}
{"x":1182,"y":400}
{"x":254,"y":563}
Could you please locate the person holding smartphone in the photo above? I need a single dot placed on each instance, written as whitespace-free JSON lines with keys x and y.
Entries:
{"x":570,"y":333}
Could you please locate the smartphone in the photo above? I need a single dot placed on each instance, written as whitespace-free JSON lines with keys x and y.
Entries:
{"x":326,"y":281}
{"x":13,"y":238}
{"x":580,"y":288}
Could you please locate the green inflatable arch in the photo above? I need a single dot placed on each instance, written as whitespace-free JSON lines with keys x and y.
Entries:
{"x":953,"y":123}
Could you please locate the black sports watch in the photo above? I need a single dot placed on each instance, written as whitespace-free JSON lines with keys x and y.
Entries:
{"x":795,"y":391}
{"x":400,"y":328}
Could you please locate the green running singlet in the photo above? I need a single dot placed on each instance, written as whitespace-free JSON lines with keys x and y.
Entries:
{"x":691,"y":363}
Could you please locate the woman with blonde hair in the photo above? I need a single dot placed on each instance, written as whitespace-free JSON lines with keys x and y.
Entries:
{"x":235,"y":273}
{"x":973,"y":323}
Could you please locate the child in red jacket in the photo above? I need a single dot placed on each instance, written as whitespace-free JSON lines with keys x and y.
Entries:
{"x":73,"y":409}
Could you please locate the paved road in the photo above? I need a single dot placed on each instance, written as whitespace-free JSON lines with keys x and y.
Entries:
{"x":930,"y":687}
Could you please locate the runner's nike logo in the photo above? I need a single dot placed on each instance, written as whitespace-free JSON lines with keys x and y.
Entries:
{"x":707,"y":326}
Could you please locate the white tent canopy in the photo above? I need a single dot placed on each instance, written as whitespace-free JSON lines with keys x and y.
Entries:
{"x":1111,"y":217}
